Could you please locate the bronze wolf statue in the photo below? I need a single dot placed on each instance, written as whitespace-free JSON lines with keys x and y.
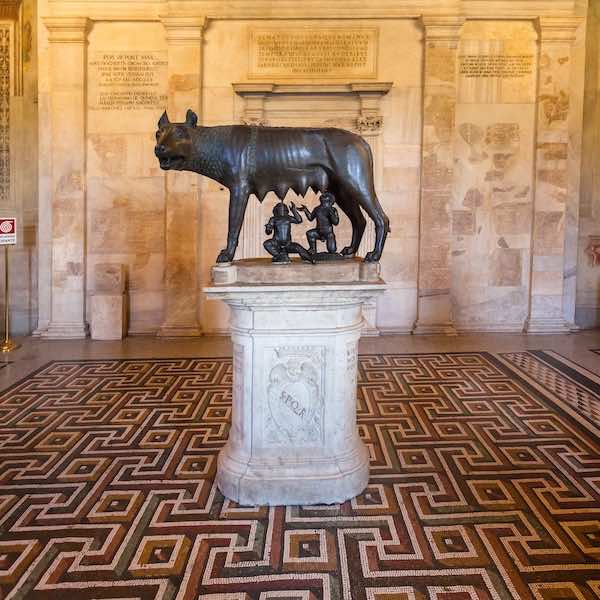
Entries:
{"x":256,"y":160}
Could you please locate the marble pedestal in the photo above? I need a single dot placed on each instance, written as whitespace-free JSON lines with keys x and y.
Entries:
{"x":295,"y":331}
{"x":108,"y":306}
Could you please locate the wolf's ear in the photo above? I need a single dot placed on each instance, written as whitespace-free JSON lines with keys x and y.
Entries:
{"x":163,"y":121}
{"x":191,"y":118}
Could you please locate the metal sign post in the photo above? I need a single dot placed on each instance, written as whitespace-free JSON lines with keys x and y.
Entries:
{"x":8,"y":237}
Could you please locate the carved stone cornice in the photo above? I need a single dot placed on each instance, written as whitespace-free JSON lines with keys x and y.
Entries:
{"x":9,"y":9}
{"x":557,"y":30}
{"x":367,"y":122}
{"x":369,"y":94}
{"x":184,"y":31}
{"x":442,"y":28}
{"x":377,"y":88}
{"x":67,"y":30}
{"x":152,"y":10}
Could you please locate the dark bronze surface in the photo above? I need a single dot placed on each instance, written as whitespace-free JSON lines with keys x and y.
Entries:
{"x":281,"y":244}
{"x":256,"y":160}
{"x":327,"y":217}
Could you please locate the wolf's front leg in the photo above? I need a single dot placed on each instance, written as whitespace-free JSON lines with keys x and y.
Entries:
{"x":238,"y":200}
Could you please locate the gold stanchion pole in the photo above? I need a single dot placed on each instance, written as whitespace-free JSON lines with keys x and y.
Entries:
{"x":7,"y":345}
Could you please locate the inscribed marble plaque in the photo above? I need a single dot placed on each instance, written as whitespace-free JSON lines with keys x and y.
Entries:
{"x":127,"y":80}
{"x":496,"y":65}
{"x":494,"y":71}
{"x":286,"y":53}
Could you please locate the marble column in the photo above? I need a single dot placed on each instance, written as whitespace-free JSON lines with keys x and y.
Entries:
{"x":556,"y":35}
{"x":441,"y":38}
{"x":184,"y":39}
{"x":68,"y":40}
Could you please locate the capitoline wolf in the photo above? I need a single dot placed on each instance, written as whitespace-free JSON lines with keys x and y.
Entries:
{"x":257,"y":160}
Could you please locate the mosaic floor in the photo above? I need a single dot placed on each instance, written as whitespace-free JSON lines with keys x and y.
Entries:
{"x":485,"y":483}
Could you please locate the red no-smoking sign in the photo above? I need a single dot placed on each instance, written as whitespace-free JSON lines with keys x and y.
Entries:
{"x":8,"y":231}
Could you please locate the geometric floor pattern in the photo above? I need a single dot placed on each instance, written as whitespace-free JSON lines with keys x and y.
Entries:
{"x":485,"y":484}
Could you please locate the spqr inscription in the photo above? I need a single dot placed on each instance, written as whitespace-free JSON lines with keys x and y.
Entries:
{"x":294,"y":415}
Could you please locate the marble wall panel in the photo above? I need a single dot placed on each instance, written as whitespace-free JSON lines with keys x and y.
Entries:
{"x":397,"y":150}
{"x":125,"y":186}
{"x":454,"y":162}
{"x":587,"y":310}
{"x":492,"y":202}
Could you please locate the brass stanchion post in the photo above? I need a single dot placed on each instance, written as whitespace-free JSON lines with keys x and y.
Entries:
{"x":7,"y":345}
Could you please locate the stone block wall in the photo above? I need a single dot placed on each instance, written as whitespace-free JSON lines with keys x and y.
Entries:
{"x":18,"y":157}
{"x":588,"y":264}
{"x":474,"y":118}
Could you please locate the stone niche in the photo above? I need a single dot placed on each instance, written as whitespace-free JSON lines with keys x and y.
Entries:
{"x":352,"y":106}
{"x":380,"y":99}
{"x":474,"y":119}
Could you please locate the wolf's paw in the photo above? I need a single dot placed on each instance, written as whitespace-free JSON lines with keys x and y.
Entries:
{"x":225,"y":256}
{"x":372,"y":256}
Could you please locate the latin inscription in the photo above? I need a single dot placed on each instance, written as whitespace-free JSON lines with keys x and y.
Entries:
{"x":127,"y":80}
{"x":310,"y":54}
{"x":294,"y":405}
{"x":504,"y":66}
{"x":293,"y":412}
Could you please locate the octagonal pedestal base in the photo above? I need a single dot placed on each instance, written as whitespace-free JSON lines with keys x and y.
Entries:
{"x":330,"y":480}
{"x":293,"y":437}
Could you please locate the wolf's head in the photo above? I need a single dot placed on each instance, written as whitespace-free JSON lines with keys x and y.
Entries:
{"x":174,"y":142}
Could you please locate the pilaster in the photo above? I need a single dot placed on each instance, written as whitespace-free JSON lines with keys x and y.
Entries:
{"x":68,"y":43}
{"x":556,"y":36}
{"x":441,"y":38}
{"x":184,"y":38}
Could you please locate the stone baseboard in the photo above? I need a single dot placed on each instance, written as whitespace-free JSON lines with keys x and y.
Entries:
{"x":542,"y":326}
{"x":176,"y":331}
{"x":66,"y":331}
{"x":434,"y":329}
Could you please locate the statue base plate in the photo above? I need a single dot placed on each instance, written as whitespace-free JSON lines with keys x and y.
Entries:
{"x":293,"y":437}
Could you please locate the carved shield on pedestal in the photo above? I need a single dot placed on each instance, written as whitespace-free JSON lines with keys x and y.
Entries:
{"x":294,"y":412}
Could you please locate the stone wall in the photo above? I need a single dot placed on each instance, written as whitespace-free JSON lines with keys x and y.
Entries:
{"x":18,"y":157}
{"x":473,"y":116}
{"x":588,"y":265}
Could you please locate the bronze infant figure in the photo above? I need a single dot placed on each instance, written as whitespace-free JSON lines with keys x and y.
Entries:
{"x":256,"y":160}
{"x":281,"y":244}
{"x":326,"y":216}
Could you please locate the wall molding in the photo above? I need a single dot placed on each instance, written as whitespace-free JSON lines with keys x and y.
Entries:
{"x":145,"y":10}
